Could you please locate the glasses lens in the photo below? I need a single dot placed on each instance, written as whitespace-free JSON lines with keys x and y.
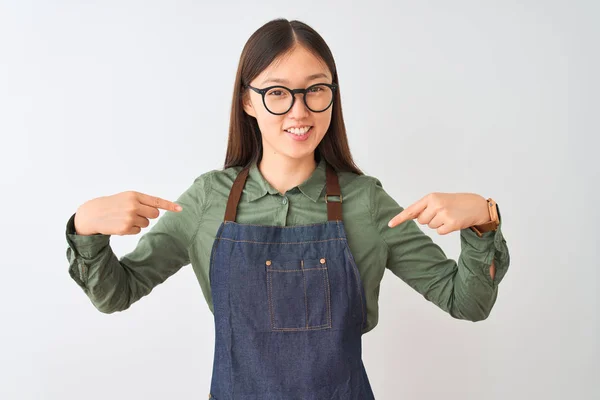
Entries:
{"x":319,"y":97}
{"x":278,"y":100}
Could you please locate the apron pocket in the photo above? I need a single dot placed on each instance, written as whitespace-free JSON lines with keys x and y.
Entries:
{"x":299,"y":294}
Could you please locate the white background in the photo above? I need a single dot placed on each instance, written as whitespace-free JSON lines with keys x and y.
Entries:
{"x":498,"y":98}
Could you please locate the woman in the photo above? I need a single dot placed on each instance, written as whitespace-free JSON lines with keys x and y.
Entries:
{"x":290,"y":240}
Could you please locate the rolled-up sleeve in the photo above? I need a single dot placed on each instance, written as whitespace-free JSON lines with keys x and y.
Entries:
{"x":114,"y":284}
{"x":464,"y":289}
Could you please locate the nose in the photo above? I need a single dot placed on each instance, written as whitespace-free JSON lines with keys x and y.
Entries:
{"x":299,"y":110}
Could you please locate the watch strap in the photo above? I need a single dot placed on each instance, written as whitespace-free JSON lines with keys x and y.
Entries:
{"x":494,"y":220}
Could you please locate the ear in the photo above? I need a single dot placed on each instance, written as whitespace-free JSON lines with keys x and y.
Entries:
{"x":248,"y":108}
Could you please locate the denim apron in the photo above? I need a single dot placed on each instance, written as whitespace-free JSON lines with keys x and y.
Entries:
{"x":289,"y":308}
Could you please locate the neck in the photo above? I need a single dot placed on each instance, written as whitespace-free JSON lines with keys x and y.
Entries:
{"x":284,"y":173}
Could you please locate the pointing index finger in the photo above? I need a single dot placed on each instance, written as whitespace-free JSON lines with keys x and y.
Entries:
{"x":157,"y":202}
{"x":410,"y":212}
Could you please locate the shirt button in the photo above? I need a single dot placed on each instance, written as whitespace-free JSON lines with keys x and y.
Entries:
{"x":285,"y":200}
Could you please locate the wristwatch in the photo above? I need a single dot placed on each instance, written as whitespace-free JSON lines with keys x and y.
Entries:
{"x":493,"y":224}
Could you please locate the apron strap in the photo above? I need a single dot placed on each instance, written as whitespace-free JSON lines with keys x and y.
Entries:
{"x":334,"y":208}
{"x":235,"y":194}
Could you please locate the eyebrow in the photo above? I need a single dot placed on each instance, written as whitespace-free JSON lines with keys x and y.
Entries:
{"x":285,"y":81}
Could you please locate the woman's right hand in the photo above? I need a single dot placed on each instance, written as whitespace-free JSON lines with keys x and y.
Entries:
{"x":124,"y":213}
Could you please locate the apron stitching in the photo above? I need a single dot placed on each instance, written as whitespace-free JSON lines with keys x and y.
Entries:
{"x":297,"y":270}
{"x":270,"y":298}
{"x":252,"y":241}
{"x":305,"y":295}
{"x":212,"y":258}
{"x":328,"y":295}
{"x":312,"y":328}
{"x":280,"y":227}
{"x":327,"y":298}
{"x":337,"y":224}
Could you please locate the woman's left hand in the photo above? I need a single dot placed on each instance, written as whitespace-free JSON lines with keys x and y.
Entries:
{"x":446,"y":212}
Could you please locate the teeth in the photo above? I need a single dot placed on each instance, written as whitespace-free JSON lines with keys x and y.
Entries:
{"x":298,"y":131}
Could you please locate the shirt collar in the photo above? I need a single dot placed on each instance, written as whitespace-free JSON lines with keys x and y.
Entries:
{"x":257,"y":186}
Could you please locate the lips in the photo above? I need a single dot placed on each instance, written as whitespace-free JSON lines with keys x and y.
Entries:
{"x":301,"y":136}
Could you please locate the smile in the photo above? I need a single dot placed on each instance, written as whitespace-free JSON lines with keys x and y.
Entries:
{"x":299,"y":131}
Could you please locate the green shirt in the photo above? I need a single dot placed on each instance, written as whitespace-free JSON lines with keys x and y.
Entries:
{"x":465,"y":289}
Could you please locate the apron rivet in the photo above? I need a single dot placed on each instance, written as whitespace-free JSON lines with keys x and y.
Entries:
{"x":268,"y":262}
{"x":322,"y":261}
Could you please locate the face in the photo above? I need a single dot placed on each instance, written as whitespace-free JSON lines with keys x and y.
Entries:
{"x":297,"y":70}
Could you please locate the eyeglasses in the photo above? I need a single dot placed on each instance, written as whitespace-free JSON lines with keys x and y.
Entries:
{"x":279,"y":100}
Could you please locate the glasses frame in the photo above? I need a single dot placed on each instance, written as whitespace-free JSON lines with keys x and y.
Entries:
{"x":263,"y":91}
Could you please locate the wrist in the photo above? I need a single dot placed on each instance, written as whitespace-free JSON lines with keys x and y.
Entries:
{"x":77,"y":226}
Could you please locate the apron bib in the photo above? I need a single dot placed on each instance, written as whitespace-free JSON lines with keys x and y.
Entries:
{"x":289,"y":308}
